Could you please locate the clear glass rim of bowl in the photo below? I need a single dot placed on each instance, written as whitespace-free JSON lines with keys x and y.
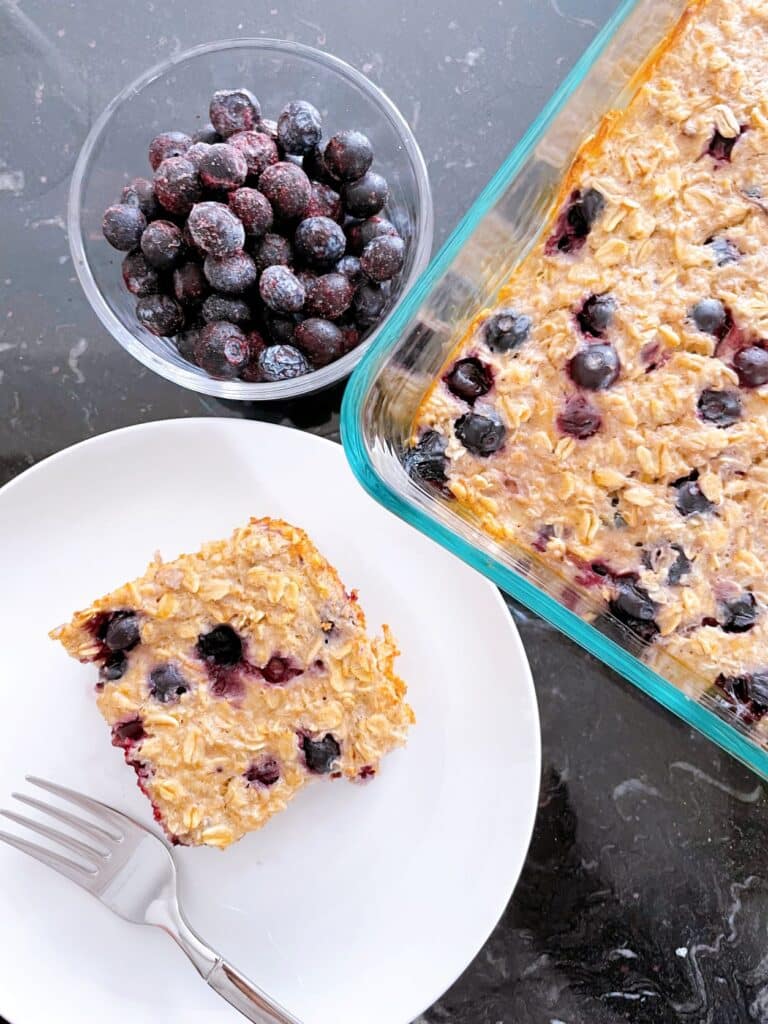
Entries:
{"x":189,"y":378}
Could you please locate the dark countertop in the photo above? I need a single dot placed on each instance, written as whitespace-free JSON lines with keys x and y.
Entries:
{"x":645,"y":893}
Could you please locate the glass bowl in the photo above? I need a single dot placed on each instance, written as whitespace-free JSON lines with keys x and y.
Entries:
{"x":175,"y":95}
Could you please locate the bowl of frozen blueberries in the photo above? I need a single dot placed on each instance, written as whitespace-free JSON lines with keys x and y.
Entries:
{"x":244,"y":217}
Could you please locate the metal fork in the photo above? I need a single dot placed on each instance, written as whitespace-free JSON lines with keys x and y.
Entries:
{"x":132,"y":872}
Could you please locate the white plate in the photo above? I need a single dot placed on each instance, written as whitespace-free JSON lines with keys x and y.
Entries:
{"x":358,"y":904}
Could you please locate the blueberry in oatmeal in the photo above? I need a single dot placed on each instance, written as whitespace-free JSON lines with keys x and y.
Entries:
{"x":739,"y":614}
{"x":721,"y":408}
{"x":481,"y":433}
{"x":166,"y":683}
{"x":506,"y":330}
{"x":595,"y":367}
{"x":596,"y":315}
{"x":320,"y":755}
{"x":751,"y":364}
{"x":469,"y":379}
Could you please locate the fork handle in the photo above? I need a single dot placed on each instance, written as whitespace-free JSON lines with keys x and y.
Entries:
{"x":245,"y":997}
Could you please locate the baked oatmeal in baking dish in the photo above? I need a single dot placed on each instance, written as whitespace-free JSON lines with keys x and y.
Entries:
{"x":233,"y":676}
{"x":610,"y":413}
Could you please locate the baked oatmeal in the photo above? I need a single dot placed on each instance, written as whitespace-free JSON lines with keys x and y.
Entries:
{"x":233,"y":676}
{"x":610,"y":414}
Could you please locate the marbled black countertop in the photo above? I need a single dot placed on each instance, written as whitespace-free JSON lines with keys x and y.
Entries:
{"x":645,"y":894}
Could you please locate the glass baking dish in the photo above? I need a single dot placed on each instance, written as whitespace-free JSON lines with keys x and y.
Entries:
{"x":382,"y":398}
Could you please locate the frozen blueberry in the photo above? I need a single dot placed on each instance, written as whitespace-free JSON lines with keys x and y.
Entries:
{"x":481,"y":433}
{"x":329,"y":296}
{"x":711,"y":317}
{"x":139,"y":276}
{"x":223,"y":167}
{"x":680,"y":567}
{"x":575,"y":221}
{"x":167,"y":144}
{"x":314,"y":165}
{"x":324,"y":202}
{"x":506,"y":330}
{"x":121,"y":631}
{"x":320,"y":241}
{"x":360,"y":233}
{"x":320,"y":339}
{"x":595,"y":367}
{"x":177,"y":185}
{"x":234,"y":110}
{"x":751,"y":364}
{"x":352,"y":336}
{"x":690,"y":499}
{"x":167,"y":684}
{"x":596,"y":315}
{"x":265,"y":771}
{"x":740,"y":614}
{"x":307,"y":276}
{"x":186,"y":341}
{"x":225,"y":307}
{"x":271,"y":251}
{"x":348,"y":155}
{"x":724,"y":250}
{"x":196,"y":152}
{"x":253,"y":210}
{"x":320,"y":755}
{"x":367,"y":196}
{"x":280,"y":329}
{"x":281,"y":290}
{"x":632,"y":605}
{"x":189,"y":284}
{"x":722,"y":408}
{"x":215,"y":229}
{"x":140,"y":192}
{"x":220,"y":646}
{"x":231,"y":274}
{"x":251,"y":371}
{"x":469,"y":379}
{"x":221,"y":350}
{"x":160,"y":315}
{"x":369,"y":302}
{"x":299,"y":127}
{"x":123,"y":225}
{"x":426,"y":459}
{"x":207,"y":134}
{"x":287,"y":188}
{"x":720,"y":148}
{"x":579,"y":418}
{"x":257,"y":148}
{"x":282,"y":362}
{"x":350,"y":267}
{"x":383,"y":257}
